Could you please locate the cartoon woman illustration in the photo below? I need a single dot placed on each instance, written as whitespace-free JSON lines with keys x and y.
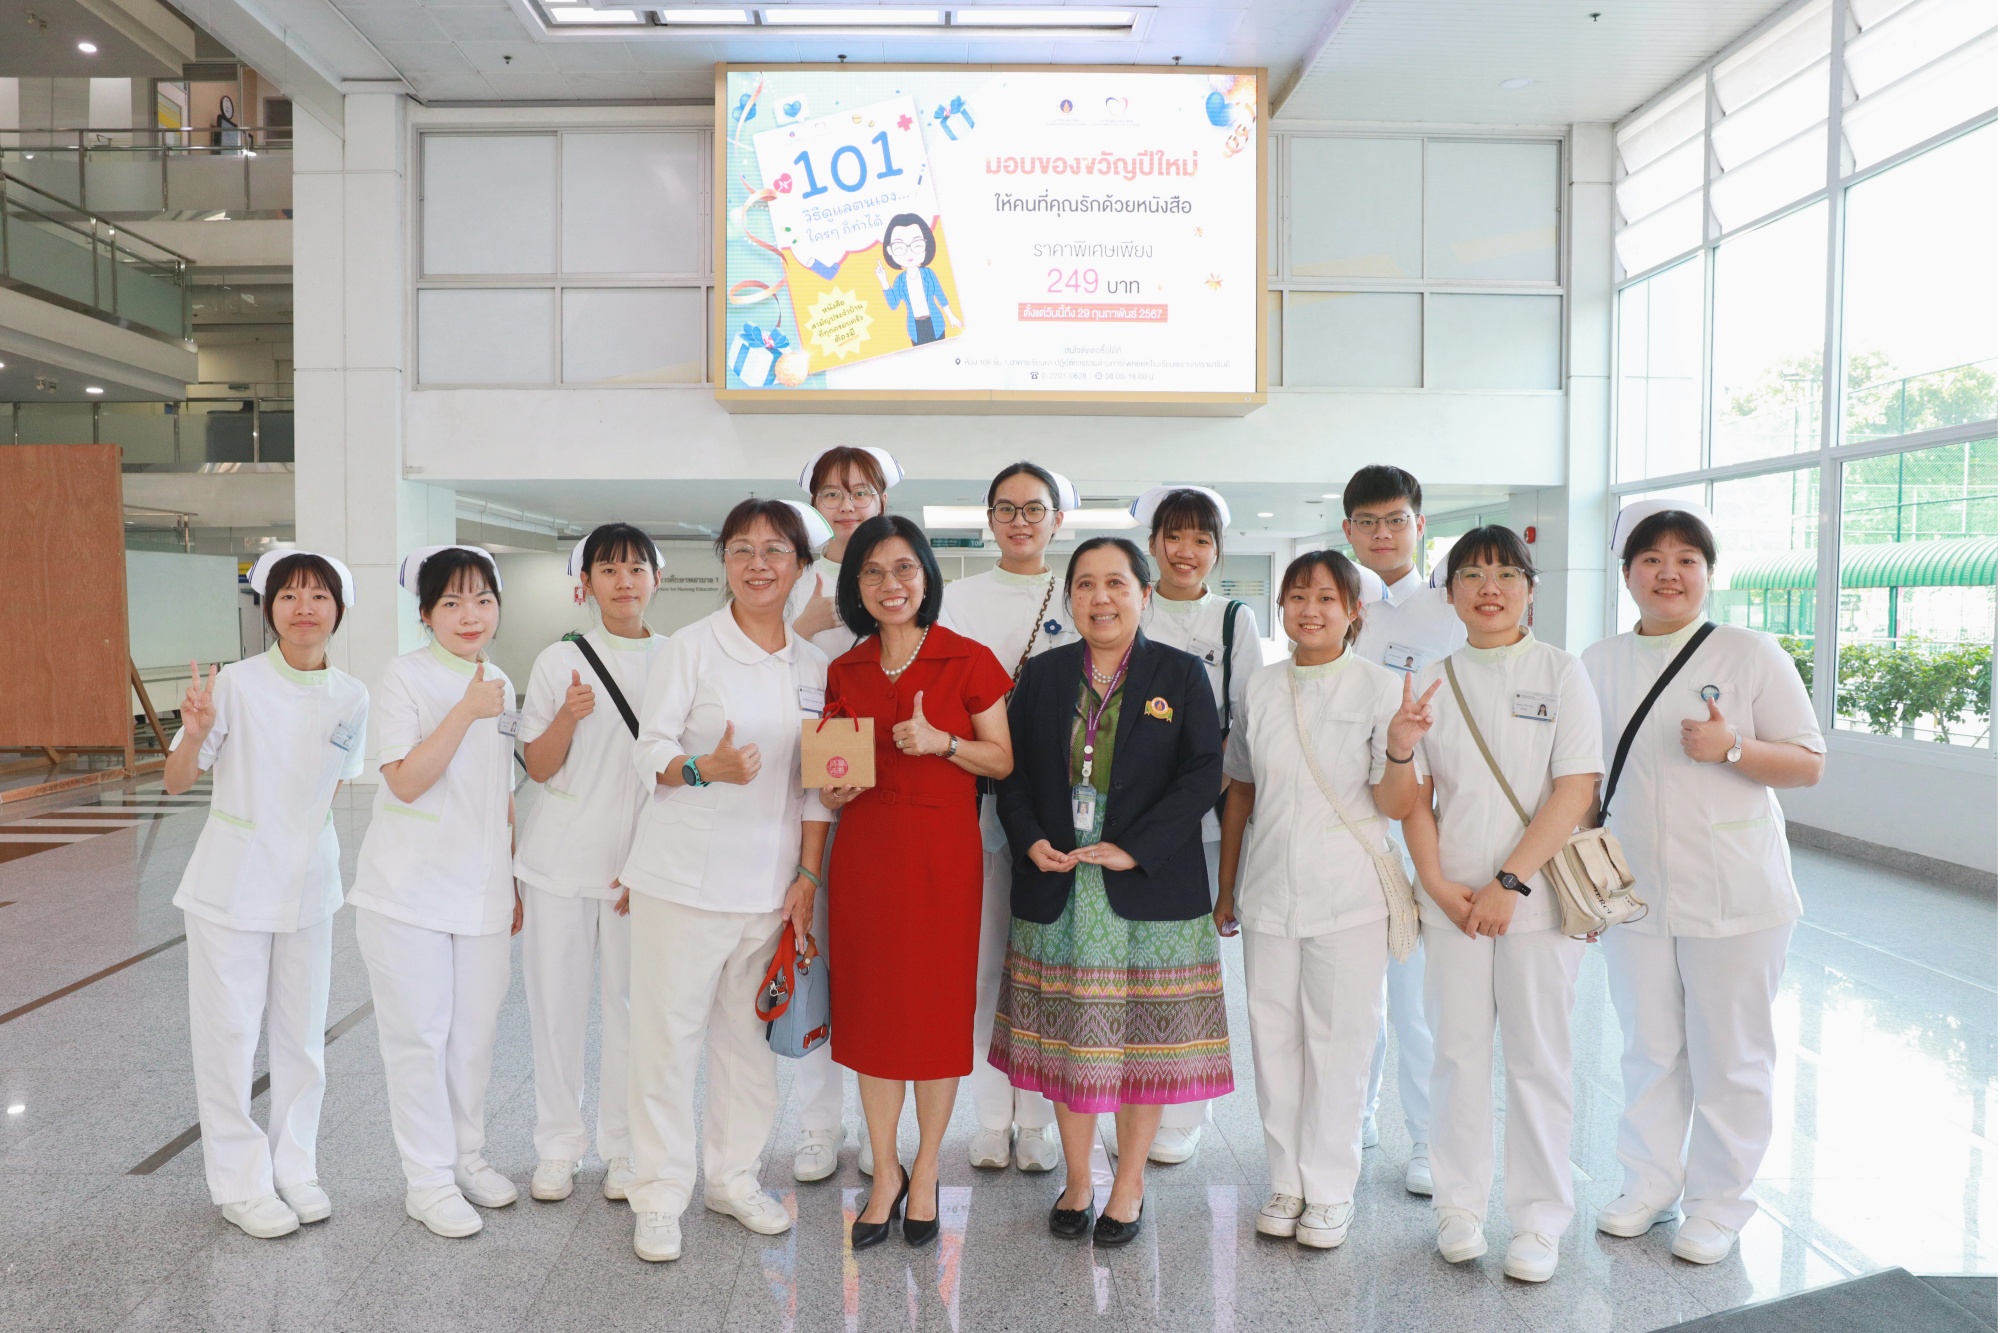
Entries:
{"x":908,"y":244}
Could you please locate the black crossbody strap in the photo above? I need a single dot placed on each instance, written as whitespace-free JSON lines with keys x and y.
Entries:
{"x":1645,"y":707}
{"x":610,"y":684}
{"x":1228,"y":659}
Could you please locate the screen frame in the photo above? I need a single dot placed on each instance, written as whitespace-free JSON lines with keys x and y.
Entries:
{"x":1094,"y":402}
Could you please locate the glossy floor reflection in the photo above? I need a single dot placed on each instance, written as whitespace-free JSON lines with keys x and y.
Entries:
{"x":1883,"y":1156}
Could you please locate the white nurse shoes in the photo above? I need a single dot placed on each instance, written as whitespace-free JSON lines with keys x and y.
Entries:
{"x":1323,"y":1226}
{"x":554,"y":1178}
{"x":1370,"y":1133}
{"x":1531,"y":1257}
{"x":1172,"y":1146}
{"x":444,"y":1210}
{"x":1701,"y":1241}
{"x":657,"y":1237}
{"x":484,"y":1186}
{"x":263,"y":1218}
{"x":1038,"y":1149}
{"x":989,"y":1149}
{"x":760,"y":1212}
{"x":1417,"y":1175}
{"x":619,"y":1173}
{"x":1628,"y":1216}
{"x":818,"y":1154}
{"x":1280,"y":1217}
{"x":308,"y":1200}
{"x":865,"y":1159}
{"x":1459,"y":1235}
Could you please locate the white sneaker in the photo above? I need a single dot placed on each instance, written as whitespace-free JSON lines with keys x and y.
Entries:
{"x":1323,"y":1226}
{"x":1172,"y":1146}
{"x":989,"y":1148}
{"x":1417,"y":1175}
{"x":444,"y":1210}
{"x":619,"y":1174}
{"x":818,"y":1154}
{"x":1370,"y":1135}
{"x":865,"y":1159}
{"x":482,"y":1185}
{"x":1038,"y":1149}
{"x":1700,"y":1241}
{"x":308,"y":1200}
{"x":1459,"y":1235}
{"x":657,"y":1237}
{"x":1280,"y":1217}
{"x":1629,"y":1216}
{"x":760,"y":1212}
{"x":554,"y":1178}
{"x":1531,"y":1257}
{"x":263,"y":1218}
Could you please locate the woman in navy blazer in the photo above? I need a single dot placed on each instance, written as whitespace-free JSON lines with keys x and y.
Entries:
{"x":1112,"y":999}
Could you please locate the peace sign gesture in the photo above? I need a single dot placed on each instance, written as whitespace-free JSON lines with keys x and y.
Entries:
{"x":198,"y":704}
{"x":1411,"y":721}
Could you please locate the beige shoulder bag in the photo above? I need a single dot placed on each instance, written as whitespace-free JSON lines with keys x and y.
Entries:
{"x":1396,"y":889}
{"x":1592,"y":883}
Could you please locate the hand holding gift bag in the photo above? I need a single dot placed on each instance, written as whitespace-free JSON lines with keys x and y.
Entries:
{"x":840,"y":755}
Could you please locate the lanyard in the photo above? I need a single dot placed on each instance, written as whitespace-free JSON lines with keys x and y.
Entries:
{"x":1093,"y":716}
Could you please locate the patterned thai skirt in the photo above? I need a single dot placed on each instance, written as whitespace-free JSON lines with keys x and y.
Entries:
{"x":1097,"y":1011}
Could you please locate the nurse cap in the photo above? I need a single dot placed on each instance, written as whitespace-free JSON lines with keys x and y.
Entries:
{"x":892,"y":471}
{"x":576,"y":555}
{"x":260,"y":573}
{"x":1437,"y":578}
{"x":818,"y":531}
{"x":1066,"y":496}
{"x":1148,"y":502}
{"x":1373,"y":589}
{"x":1632,"y":515}
{"x":406,"y":575}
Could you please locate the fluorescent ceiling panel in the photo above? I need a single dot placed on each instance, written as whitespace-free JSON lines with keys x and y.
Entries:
{"x":887,"y":16}
{"x":1010,"y":17}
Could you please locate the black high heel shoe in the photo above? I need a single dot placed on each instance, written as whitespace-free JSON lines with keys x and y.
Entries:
{"x":1110,"y":1231}
{"x":868,"y":1234}
{"x":917,"y":1233}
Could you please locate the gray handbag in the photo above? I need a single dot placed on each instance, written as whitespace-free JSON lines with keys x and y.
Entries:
{"x":794,"y":1001}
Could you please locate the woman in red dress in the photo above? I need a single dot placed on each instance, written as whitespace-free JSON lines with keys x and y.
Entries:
{"x":903,"y":892}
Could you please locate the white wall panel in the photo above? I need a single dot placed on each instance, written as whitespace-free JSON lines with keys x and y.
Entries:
{"x":631,"y":203}
{"x":1490,"y":210}
{"x":489,"y":203}
{"x":486,"y":337}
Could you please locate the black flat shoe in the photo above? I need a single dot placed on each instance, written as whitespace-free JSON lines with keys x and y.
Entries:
{"x":920,"y":1233}
{"x":1070,"y":1223}
{"x":868,"y":1234}
{"x":1110,"y":1231}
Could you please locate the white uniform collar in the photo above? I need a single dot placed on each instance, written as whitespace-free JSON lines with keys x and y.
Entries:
{"x":1668,"y":643}
{"x":1182,"y":610}
{"x":1504,"y":653}
{"x":1406,"y":587}
{"x":1321,"y":670}
{"x":452,"y":661}
{"x":739,"y":645}
{"x":624,"y":645}
{"x":276,"y":656}
{"x":1007,"y":579}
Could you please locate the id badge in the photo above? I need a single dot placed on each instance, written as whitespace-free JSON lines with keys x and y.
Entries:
{"x":1082,"y":807}
{"x":1535,"y":707}
{"x":1401,"y":657}
{"x":1208,"y":650}
{"x":812,"y":700}
{"x":344,"y":736}
{"x":510,"y":722}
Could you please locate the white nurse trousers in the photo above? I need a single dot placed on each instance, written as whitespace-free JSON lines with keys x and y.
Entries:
{"x":1193,"y":1115}
{"x":695,"y":984}
{"x":437,"y":1003}
{"x":234,"y":978}
{"x":1526,"y":985}
{"x":818,"y":1083}
{"x":999,"y":1103}
{"x":1403,"y":991}
{"x":1314,"y":1007}
{"x":1699,"y":1054}
{"x":563,"y":941}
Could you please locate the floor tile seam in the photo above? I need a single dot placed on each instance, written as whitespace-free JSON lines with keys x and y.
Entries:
{"x":1932,"y":968}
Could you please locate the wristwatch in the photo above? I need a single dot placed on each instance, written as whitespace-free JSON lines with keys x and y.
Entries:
{"x":951,"y":751}
{"x":691,"y":772}
{"x":1735,"y":746}
{"x":1508,"y":880}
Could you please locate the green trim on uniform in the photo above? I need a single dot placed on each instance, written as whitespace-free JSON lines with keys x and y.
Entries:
{"x":452,"y":660}
{"x":235,"y":821}
{"x":406,"y":811}
{"x":293,"y":674}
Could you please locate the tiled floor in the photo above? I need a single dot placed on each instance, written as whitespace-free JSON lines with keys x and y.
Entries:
{"x":1884,"y":1155}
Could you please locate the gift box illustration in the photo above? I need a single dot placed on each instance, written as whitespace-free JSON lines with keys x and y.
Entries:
{"x":953,"y":110}
{"x":754,"y":360}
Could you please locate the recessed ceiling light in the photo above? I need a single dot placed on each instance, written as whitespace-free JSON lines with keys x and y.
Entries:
{"x":92,"y":388}
{"x":16,"y":1109}
{"x":1265,"y":513}
{"x":88,"y":48}
{"x":702,"y":15}
{"x":582,"y":15}
{"x":887,"y":16}
{"x":1331,"y":495}
{"x":1513,"y":84}
{"x":1010,"y":17}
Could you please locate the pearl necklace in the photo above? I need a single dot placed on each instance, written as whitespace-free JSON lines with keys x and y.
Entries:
{"x":1102,"y":678}
{"x":895,"y":673}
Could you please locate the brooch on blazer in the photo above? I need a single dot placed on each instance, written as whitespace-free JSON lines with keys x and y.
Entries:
{"x":1157,"y":707}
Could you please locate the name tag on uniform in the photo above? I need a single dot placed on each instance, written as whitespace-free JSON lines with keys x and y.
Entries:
{"x":1535,"y":707}
{"x":812,"y":699}
{"x":1208,"y":650}
{"x":510,"y":722}
{"x":1402,"y":657}
{"x":345,"y":735}
{"x":1082,"y":807}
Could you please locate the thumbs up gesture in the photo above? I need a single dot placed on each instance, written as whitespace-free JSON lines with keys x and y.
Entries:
{"x":483,"y":697}
{"x":1708,"y":740}
{"x":198,"y":704}
{"x":916,"y":735}
{"x":579,"y":700}
{"x":819,"y":615}
{"x":728,"y":762}
{"x":1412,"y":721}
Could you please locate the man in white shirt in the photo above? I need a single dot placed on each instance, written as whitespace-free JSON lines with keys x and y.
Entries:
{"x":1413,"y":629}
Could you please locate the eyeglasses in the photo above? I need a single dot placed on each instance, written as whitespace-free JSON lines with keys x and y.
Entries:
{"x":903,"y":571}
{"x":1006,"y":511}
{"x":1368,"y":523}
{"x":1506,"y":576}
{"x":738,"y":553}
{"x":829,"y":497}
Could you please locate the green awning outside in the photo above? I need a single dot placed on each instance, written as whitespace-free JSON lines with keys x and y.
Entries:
{"x":1962,"y":562}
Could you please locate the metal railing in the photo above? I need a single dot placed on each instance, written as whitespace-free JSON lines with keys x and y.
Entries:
{"x":88,"y":262}
{"x":132,"y":174}
{"x":217,"y":427}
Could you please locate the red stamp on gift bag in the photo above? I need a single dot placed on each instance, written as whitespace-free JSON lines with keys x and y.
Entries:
{"x":836,"y":767}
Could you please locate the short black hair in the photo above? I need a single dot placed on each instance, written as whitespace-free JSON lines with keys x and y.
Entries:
{"x":455,"y":567}
{"x":1142,"y":570}
{"x":1494,"y":542}
{"x":1648,"y":531}
{"x":312,"y":571}
{"x":1181,"y":509}
{"x":909,"y":220}
{"x":1299,"y":574}
{"x":1379,"y":483}
{"x":847,"y":592}
{"x":618,"y":543}
{"x":779,"y":515}
{"x":1025,"y":469}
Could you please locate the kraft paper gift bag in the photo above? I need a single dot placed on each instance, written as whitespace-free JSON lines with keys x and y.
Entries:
{"x":837,"y":752}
